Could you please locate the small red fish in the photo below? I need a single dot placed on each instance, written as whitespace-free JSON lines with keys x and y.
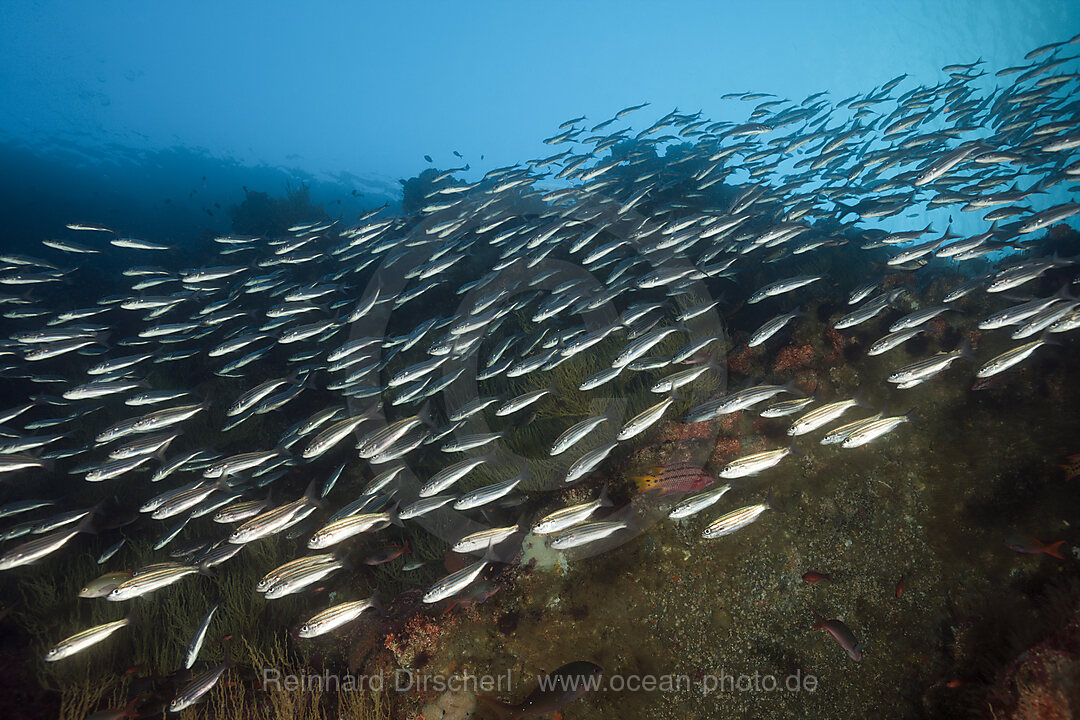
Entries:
{"x":842,"y":634}
{"x":124,"y":713}
{"x":1033,"y":546}
{"x":993,"y":382}
{"x":900,"y":587}
{"x":477,"y":597}
{"x":387,"y":554}
{"x":1072,"y":467}
{"x":680,"y":477}
{"x":813,"y":577}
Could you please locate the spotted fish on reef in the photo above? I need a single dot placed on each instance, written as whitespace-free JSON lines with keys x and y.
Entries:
{"x":674,"y":478}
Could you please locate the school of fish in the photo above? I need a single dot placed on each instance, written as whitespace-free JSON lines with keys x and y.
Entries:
{"x":405,"y":331}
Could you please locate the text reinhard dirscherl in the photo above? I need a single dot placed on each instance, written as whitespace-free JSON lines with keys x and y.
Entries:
{"x":404,"y":680}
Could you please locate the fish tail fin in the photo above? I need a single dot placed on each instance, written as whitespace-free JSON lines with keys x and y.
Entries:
{"x":226,"y":643}
{"x":1047,"y":339}
{"x":207,"y":570}
{"x":426,"y":417}
{"x":769,"y":503}
{"x":312,"y":495}
{"x":605,"y":500}
{"x":1054,"y":549}
{"x":86,"y":525}
{"x":395,"y":518}
{"x":129,"y":710}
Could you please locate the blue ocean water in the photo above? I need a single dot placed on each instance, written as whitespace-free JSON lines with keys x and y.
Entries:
{"x":358,"y":93}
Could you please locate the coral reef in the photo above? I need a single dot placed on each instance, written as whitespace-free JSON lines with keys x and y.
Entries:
{"x":791,"y":356}
{"x":261,"y":214}
{"x":416,"y":641}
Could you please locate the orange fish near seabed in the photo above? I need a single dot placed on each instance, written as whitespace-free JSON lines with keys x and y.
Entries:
{"x":1033,"y":546}
{"x":842,"y":634}
{"x":1071,"y":466}
{"x":679,"y":477}
{"x":813,"y":577}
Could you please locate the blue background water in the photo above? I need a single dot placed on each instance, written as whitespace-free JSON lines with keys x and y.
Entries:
{"x":178,"y":99}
